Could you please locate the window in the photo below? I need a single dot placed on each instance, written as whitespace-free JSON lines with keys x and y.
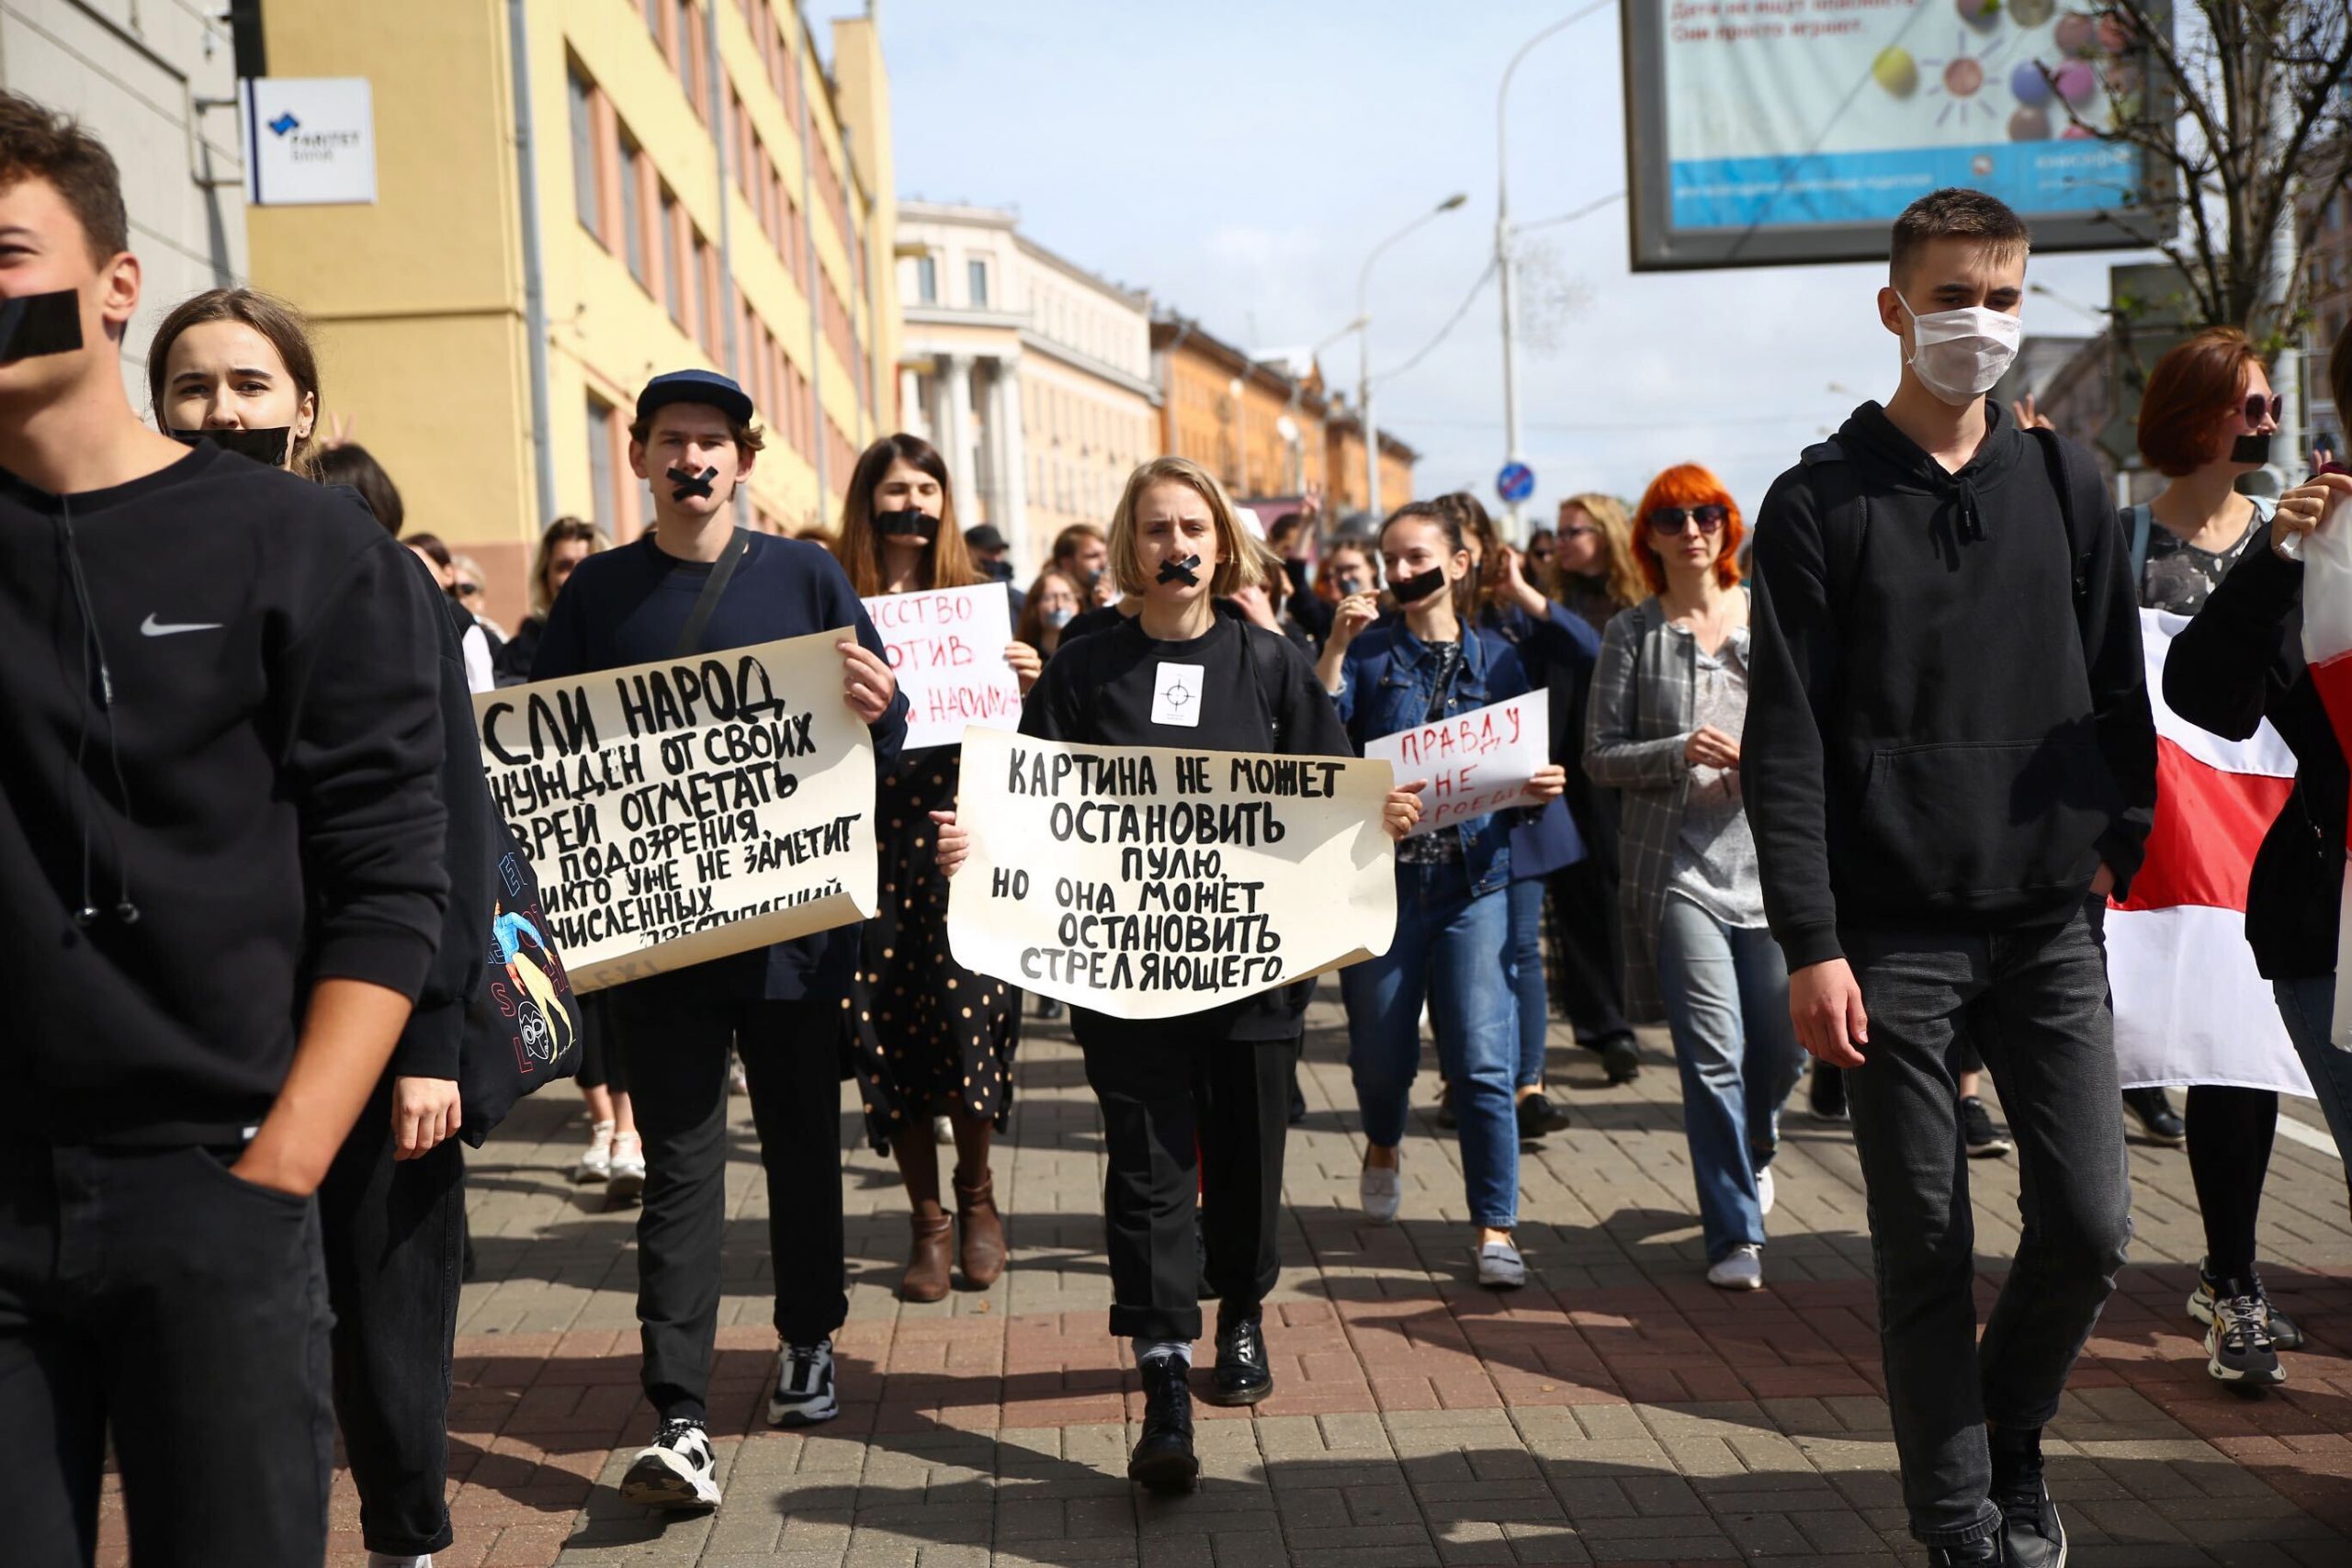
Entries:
{"x":689,"y":55}
{"x":690,"y":280}
{"x":673,"y":275}
{"x":633,"y":207}
{"x":927,"y":279}
{"x":706,"y":272}
{"x":600,"y":467}
{"x":978,"y":273}
{"x":653,"y":20}
{"x":583,"y":154}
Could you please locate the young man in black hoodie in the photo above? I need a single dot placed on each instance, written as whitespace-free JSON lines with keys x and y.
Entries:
{"x":696,"y":583}
{"x":1948,"y":757}
{"x":221,"y":851}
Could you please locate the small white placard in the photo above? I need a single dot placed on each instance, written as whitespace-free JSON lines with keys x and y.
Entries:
{"x":310,"y":141}
{"x":1176,"y":695}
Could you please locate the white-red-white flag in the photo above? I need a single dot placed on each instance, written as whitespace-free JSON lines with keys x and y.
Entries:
{"x":2327,"y":648}
{"x":2190,"y":1005}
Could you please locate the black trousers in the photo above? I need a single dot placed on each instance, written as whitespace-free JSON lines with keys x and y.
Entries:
{"x":1592,"y":950}
{"x":675,"y":1039}
{"x":149,"y":1297}
{"x":1181,"y":1122}
{"x":394,"y":1234}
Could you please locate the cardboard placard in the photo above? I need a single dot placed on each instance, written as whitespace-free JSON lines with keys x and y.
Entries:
{"x":1473,"y":763}
{"x":682,"y":810}
{"x":946,"y":648}
{"x":1147,"y":883}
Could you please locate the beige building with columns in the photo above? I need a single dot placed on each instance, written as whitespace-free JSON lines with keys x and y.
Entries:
{"x":1031,"y":375}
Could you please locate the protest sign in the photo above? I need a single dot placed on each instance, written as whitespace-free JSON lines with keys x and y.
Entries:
{"x":679,"y":811}
{"x":946,"y":648}
{"x":1148,"y":883}
{"x":1473,"y":763}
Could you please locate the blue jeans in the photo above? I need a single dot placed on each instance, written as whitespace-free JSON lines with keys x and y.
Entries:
{"x":1445,"y":949}
{"x":1727,"y":1006}
{"x":1524,"y":962}
{"x":2308,"y":1006}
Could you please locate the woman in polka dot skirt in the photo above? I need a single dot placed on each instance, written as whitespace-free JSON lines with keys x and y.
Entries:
{"x":930,"y":1037}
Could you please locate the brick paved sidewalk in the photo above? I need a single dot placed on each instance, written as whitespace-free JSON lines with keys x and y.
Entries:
{"x":1618,"y":1410}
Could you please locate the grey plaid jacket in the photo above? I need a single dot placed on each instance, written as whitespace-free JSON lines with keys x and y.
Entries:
{"x":1636,"y":727}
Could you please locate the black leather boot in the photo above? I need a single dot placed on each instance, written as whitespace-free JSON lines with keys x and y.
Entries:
{"x":1163,"y":1459}
{"x":1243,"y":1375}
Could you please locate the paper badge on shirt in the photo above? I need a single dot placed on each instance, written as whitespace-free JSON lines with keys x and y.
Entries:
{"x":1176,"y":695}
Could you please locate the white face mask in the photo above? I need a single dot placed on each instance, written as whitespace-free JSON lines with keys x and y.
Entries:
{"x":1958,"y":354}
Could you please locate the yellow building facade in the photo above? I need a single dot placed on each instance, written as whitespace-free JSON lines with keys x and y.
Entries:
{"x":685,"y":185}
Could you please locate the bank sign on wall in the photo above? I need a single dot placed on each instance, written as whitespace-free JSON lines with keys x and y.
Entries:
{"x":1771,"y":131}
{"x":309,"y":141}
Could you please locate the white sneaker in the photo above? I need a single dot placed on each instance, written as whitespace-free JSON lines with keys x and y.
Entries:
{"x":673,"y":1471}
{"x":596,"y":1165}
{"x":942,"y":1132}
{"x":1764,"y":1194}
{"x":1742,"y":1269}
{"x":803,"y":1386}
{"x":1382,"y":1192}
{"x":1501,"y":1268}
{"x":628,"y":1166}
{"x":738,"y":1082}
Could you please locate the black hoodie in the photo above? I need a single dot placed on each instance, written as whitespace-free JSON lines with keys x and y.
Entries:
{"x":218,"y":707}
{"x":1941,"y":731}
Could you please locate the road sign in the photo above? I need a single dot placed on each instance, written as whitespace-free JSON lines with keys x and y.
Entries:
{"x":1516,"y":482}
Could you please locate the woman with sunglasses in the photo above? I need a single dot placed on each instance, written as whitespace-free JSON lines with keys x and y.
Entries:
{"x":2206,"y":420}
{"x":1429,"y":662}
{"x":1669,"y":704}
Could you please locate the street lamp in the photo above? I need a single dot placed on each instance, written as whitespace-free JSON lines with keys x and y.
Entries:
{"x":1362,"y":325}
{"x":1502,"y":242}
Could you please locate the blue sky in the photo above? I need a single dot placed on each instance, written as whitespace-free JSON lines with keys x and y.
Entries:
{"x":1240,"y":160}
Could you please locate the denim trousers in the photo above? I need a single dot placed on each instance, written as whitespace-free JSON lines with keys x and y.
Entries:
{"x":155,"y":1303}
{"x":1727,"y":1006}
{"x":2308,"y":1006}
{"x":2033,"y":1002}
{"x":1523,"y":961}
{"x":1445,"y":952}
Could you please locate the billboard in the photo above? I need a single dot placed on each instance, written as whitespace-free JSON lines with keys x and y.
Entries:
{"x":1768,"y":131}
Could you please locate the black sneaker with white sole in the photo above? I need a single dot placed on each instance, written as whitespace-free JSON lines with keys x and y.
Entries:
{"x":1984,"y":1140}
{"x":803,"y":1386}
{"x":673,"y":1471}
{"x":2031,"y":1535}
{"x":2238,"y":1346}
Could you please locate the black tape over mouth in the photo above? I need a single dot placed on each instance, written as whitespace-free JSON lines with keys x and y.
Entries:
{"x":2254,"y":446}
{"x":33,"y":324}
{"x":1184,"y":570}
{"x":683,"y":484}
{"x":911,"y":523}
{"x":1420,"y":585}
{"x":267,"y":445}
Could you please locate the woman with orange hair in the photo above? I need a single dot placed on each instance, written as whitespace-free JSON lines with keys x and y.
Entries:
{"x":1670,"y":699}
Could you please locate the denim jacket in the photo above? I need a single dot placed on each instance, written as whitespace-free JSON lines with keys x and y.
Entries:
{"x":1387,"y":681}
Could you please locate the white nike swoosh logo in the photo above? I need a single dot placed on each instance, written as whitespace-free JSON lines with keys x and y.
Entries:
{"x":150,"y":626}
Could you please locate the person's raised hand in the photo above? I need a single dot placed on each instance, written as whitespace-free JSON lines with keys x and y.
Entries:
{"x":1402,"y":810}
{"x":867,"y":684}
{"x":1826,"y":1004}
{"x":1355,"y":612}
{"x":1709,"y":747}
{"x":2305,"y":507}
{"x":1253,"y":602}
{"x":425,"y":1113}
{"x":1026,"y":664}
{"x":954,"y":842}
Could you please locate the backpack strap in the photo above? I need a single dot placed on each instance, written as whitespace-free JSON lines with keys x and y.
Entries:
{"x":714,"y":587}
{"x":2137,"y":521}
{"x":2082,"y":501}
{"x":1845,"y":517}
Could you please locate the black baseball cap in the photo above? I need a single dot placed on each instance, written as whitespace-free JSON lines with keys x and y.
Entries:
{"x":985,"y":538}
{"x":695,"y":387}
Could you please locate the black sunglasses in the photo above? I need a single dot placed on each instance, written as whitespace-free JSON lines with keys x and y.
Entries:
{"x":2257,"y":406}
{"x":1669,"y":521}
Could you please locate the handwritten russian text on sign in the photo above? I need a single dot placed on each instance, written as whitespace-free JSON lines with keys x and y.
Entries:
{"x":947,"y":648}
{"x":1148,"y":883}
{"x":682,"y":810}
{"x":1473,"y":763}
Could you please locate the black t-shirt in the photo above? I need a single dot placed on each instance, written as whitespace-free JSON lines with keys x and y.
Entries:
{"x":1102,"y":617}
{"x":1257,"y":693}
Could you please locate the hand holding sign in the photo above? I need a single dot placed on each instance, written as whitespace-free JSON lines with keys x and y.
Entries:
{"x":867,"y":684}
{"x":1024,"y":663}
{"x":1403,"y":809}
{"x":1479,"y":761}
